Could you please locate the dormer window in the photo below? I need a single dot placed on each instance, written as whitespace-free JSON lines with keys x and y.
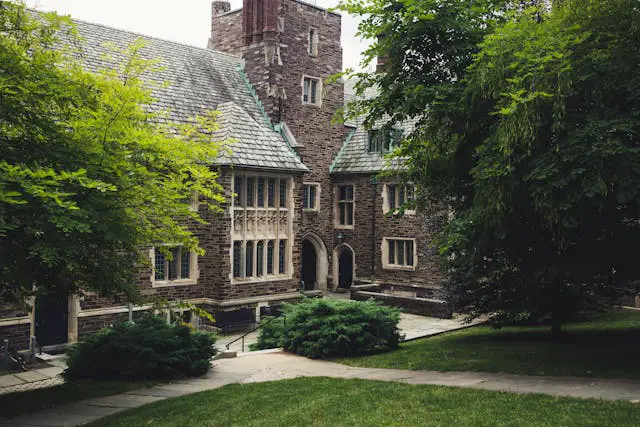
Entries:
{"x":311,"y":90}
{"x":383,"y":140}
{"x":312,"y":49}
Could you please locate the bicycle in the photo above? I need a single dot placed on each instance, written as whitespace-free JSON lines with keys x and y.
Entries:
{"x":9,"y":357}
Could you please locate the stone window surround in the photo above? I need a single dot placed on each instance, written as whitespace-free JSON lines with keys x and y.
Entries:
{"x":194,"y":272}
{"x":282,"y":234}
{"x":385,"y":255}
{"x":312,"y":41}
{"x":318,"y":102}
{"x":385,"y":198}
{"x":317,"y":197}
{"x":336,"y":213}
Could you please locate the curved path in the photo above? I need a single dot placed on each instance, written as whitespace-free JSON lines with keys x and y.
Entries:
{"x":277,"y":365}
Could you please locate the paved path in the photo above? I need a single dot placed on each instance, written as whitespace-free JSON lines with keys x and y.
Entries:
{"x":275,"y":365}
{"x":411,"y":326}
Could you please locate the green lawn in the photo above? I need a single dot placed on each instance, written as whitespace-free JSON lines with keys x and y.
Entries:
{"x":606,"y":346}
{"x":25,"y":402}
{"x":338,"y":402}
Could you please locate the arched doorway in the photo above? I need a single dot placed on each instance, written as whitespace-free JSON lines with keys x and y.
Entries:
{"x":314,"y":262}
{"x":309,"y":265}
{"x":344,"y":266}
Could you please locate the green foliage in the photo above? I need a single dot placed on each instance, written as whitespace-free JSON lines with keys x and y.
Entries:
{"x":529,"y":130}
{"x":149,"y":349}
{"x":321,"y":328}
{"x":88,"y":172}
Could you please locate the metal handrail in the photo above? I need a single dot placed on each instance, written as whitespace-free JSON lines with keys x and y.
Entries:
{"x":284,"y":324}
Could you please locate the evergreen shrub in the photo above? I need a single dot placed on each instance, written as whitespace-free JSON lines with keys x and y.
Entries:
{"x":148,"y":349}
{"x":322,"y":328}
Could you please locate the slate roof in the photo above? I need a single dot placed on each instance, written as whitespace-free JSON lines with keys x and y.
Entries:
{"x":354,"y":157}
{"x":197,"y":80}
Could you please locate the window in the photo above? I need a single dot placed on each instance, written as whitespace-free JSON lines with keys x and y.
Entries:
{"x":282,"y":258}
{"x":396,"y":196}
{"x":249,"y":260}
{"x":345,"y":205}
{"x":271,"y":193}
{"x":384,"y":140}
{"x":260,"y":257}
{"x":310,"y":91}
{"x":249,"y":197}
{"x":175,"y":267}
{"x":237,"y":259}
{"x":261,"y":227}
{"x":313,"y":42}
{"x":311,"y":196}
{"x":237,"y":190}
{"x":270,"y":257}
{"x":260,"y":192}
{"x":398,"y":253}
{"x":283,"y":194}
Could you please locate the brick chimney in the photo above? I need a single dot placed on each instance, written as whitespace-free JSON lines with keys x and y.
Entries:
{"x":219,"y":7}
{"x":259,"y":20}
{"x":381,"y":63}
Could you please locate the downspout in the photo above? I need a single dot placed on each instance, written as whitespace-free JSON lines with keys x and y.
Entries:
{"x":374,"y":183}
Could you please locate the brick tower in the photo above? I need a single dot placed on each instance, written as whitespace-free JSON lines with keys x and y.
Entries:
{"x":290,"y":48}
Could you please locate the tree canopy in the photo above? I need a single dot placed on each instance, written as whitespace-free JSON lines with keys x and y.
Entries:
{"x":88,"y":173}
{"x":529,"y":132}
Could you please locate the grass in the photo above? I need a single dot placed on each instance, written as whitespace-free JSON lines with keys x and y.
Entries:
{"x":19,"y":403}
{"x":332,"y":402}
{"x":606,"y":346}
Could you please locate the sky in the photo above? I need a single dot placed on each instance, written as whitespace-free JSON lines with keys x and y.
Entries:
{"x":184,"y":21}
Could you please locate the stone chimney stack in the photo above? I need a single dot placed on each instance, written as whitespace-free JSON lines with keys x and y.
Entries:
{"x":381,"y":63}
{"x":219,"y":7}
{"x":259,"y":21}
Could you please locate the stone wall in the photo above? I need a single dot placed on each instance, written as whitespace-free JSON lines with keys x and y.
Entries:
{"x":18,"y":335}
{"x":420,"y":226}
{"x":276,"y":69}
{"x":420,"y":306}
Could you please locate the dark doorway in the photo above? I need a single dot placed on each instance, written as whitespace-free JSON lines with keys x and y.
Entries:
{"x":309,"y":265}
{"x":345,"y":268}
{"x":52,"y":312}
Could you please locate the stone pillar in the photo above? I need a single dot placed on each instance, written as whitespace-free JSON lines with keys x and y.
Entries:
{"x":72,"y":321}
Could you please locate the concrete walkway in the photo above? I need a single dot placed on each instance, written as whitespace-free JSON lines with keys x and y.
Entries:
{"x":410,"y":325}
{"x":275,"y":365}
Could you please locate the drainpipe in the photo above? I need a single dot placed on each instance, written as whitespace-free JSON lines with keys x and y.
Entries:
{"x":374,"y":183}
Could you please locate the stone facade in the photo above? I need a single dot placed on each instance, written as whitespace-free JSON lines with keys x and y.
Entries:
{"x":282,"y":43}
{"x":276,"y":68}
{"x":367,"y":240}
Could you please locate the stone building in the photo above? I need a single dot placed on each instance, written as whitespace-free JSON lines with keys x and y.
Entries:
{"x":304,"y":204}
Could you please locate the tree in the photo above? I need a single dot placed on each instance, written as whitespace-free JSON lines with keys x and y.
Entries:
{"x":534,"y":143}
{"x":88,"y":175}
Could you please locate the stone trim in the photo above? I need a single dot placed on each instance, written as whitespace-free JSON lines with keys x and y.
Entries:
{"x":385,"y":199}
{"x":385,"y":255}
{"x":317,"y":196}
{"x":336,"y":208}
{"x":194,"y":272}
{"x":23,"y":320}
{"x":319,"y":92}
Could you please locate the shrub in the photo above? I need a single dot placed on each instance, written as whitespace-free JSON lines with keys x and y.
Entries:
{"x":147,"y":349}
{"x":320,"y":328}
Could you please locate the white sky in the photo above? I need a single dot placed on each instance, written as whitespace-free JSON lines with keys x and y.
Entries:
{"x":184,"y":21}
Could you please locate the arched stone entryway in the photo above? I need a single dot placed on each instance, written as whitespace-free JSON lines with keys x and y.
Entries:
{"x":314,"y":261}
{"x":344,"y":266}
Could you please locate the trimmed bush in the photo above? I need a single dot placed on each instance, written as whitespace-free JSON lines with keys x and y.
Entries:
{"x":321,"y":328}
{"x":145,"y":350}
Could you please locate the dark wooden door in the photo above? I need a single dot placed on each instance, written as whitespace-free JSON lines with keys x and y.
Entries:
{"x":345,"y":269}
{"x":309,"y":265}
{"x":52,"y":313}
